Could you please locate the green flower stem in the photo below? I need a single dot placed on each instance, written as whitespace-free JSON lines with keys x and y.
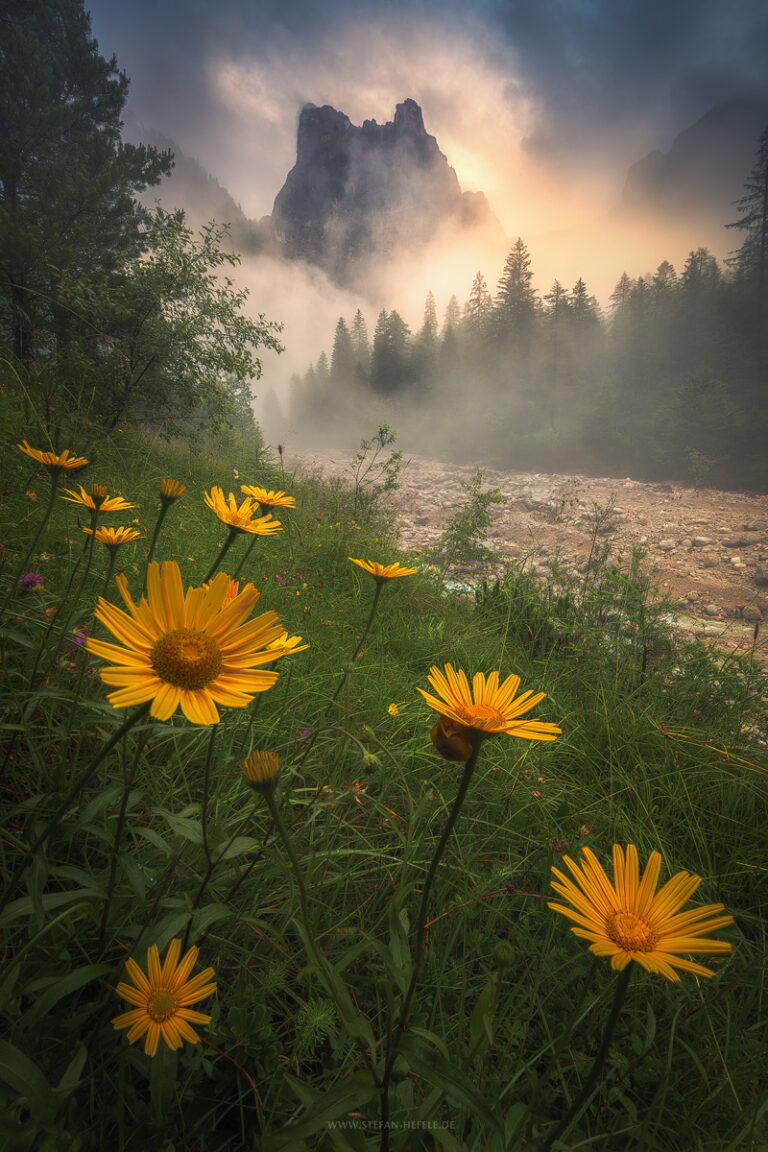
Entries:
{"x":246,"y":554}
{"x":315,"y":954}
{"x":74,"y":791}
{"x":110,"y":571}
{"x":233,"y":532}
{"x":158,"y":524}
{"x":68,"y":618}
{"x":128,"y":775}
{"x":588,"y":1088}
{"x":469,"y":768}
{"x":360,"y":643}
{"x":27,"y":556}
{"x":204,"y":827}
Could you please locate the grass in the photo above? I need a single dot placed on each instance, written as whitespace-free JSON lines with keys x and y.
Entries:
{"x":663,"y":746}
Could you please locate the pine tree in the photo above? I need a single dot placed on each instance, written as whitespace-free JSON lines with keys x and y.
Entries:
{"x":664,"y":281}
{"x":322,"y":370}
{"x":66,"y":179}
{"x":479,"y":307}
{"x":701,"y":275}
{"x":361,"y":346}
{"x":751,"y":260}
{"x":516,"y":303}
{"x":585,"y":309}
{"x":557,"y":305}
{"x":390,"y":369}
{"x":424,"y":357}
{"x":620,"y":296}
{"x":428,"y":333}
{"x":343,"y":355}
{"x":452,"y":315}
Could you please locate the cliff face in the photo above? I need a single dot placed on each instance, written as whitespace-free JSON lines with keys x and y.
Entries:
{"x":356,"y":192}
{"x":705,"y":168}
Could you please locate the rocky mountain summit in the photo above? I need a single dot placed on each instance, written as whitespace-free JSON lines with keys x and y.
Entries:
{"x":355,"y":191}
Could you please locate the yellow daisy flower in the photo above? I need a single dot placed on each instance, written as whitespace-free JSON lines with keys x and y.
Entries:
{"x":268,"y":499}
{"x":261,"y":770}
{"x":382,"y":572}
{"x":489,"y":707}
{"x":162,"y":998}
{"x":114,"y":537}
{"x":240,"y":519}
{"x":55,"y":462}
{"x":170,"y":490}
{"x":288,"y":645}
{"x":97,"y":499}
{"x":233,"y":590}
{"x":630,"y":920}
{"x":191,"y":649}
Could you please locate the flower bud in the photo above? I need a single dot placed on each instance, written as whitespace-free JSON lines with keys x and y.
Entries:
{"x":262,"y":770}
{"x":452,"y":740}
{"x":504,"y":954}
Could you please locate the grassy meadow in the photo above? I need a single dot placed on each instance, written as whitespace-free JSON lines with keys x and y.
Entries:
{"x":387,"y":972}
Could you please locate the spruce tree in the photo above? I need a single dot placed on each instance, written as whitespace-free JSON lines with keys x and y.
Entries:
{"x":619,"y":298}
{"x":516,"y":302}
{"x":751,"y":261}
{"x":343,"y":355}
{"x":361,"y":346}
{"x":584,"y":307}
{"x":478,"y":309}
{"x":452,"y":315}
{"x":66,"y":179}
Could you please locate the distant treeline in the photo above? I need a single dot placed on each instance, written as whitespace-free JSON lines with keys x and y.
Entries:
{"x":669,"y":384}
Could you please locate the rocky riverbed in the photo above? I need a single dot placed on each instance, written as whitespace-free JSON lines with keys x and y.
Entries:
{"x":706,"y":549}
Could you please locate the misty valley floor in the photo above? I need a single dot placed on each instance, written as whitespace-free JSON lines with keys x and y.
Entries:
{"x":706,"y":549}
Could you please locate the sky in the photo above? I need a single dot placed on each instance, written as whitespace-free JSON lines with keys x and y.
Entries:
{"x":541,"y":104}
{"x":517,"y":93}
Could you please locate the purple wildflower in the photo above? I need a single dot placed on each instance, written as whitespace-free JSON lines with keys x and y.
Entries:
{"x":29,"y":581}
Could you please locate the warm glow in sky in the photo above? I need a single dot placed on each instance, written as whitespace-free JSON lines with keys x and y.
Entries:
{"x":543,"y":107}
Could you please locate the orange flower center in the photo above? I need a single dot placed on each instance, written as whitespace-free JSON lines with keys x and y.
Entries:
{"x":630,"y":932}
{"x":482,"y":716}
{"x":162,"y":1004}
{"x":239,"y":519}
{"x":186,"y":659}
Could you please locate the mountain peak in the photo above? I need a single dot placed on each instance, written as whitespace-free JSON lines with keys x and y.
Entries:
{"x":357,"y":192}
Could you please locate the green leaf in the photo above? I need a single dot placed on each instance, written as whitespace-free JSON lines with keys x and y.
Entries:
{"x":18,"y":639}
{"x":107,"y":798}
{"x":481,"y":1020}
{"x":239,"y":846}
{"x":207,"y":915}
{"x":153,"y":837}
{"x":398,"y":947}
{"x":456,"y":1086}
{"x":183,"y":826}
{"x":18,"y":1071}
{"x":73,"y":1071}
{"x":50,"y":901}
{"x":347,"y":1095}
{"x":431,"y":1037}
{"x":66,"y":986}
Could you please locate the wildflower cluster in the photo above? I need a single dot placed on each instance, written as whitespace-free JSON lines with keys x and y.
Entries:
{"x":175,"y":651}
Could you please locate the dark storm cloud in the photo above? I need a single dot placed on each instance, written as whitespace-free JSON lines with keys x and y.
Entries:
{"x":591,"y":65}
{"x":585,"y":63}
